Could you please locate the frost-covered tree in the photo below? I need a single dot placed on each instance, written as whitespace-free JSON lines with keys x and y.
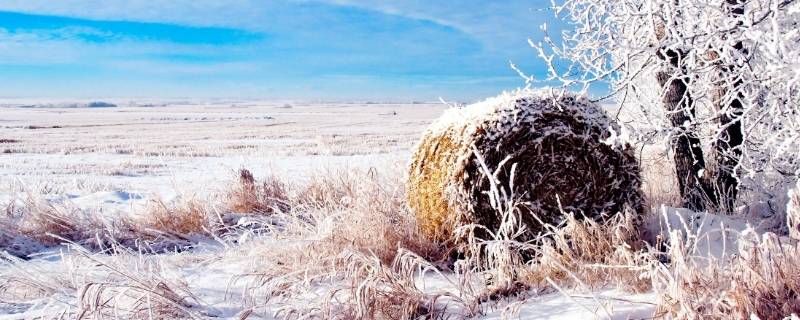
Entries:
{"x":718,"y":79}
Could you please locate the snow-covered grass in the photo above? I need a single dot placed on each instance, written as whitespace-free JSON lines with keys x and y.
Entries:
{"x":340,"y":242}
{"x":343,"y":245}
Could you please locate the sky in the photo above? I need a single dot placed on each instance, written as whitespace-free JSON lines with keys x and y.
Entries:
{"x":332,"y":50}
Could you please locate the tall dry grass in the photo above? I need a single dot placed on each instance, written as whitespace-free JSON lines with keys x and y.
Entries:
{"x":247,"y":196}
{"x":360,"y":258}
{"x":185,"y":219}
{"x":157,"y":227}
{"x":346,"y":233}
{"x":344,"y":245}
{"x":760,"y":281}
{"x":87,"y":285}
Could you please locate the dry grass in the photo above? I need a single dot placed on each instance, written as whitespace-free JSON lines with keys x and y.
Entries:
{"x":186,"y":219}
{"x":340,"y":244}
{"x":136,"y":289}
{"x":51,"y":223}
{"x":364,"y":211}
{"x":367,"y":288}
{"x":250,"y":197}
{"x":344,"y":245}
{"x":36,"y":224}
{"x":97,"y":286}
{"x":762,"y":281}
{"x":368,"y":268}
{"x":336,"y":235}
{"x":359,"y":221}
{"x":595,"y":254}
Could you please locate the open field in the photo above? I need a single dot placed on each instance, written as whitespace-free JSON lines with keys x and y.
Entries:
{"x":399,"y":160}
{"x":148,"y":146}
{"x":143,"y":212}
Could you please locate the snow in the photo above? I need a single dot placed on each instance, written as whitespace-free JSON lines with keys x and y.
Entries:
{"x":210,"y":270}
{"x":598,"y":305}
{"x":711,"y":235}
{"x":178,"y":176}
{"x":81,"y":179}
{"x":504,"y":112}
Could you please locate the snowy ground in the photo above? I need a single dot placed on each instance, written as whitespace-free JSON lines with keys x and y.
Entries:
{"x":109,"y":157}
{"x":145,"y":147}
{"x":112,"y":160}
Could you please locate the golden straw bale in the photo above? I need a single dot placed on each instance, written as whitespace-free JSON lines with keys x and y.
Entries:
{"x":563,"y":146}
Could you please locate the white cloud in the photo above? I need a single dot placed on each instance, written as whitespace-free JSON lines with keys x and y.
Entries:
{"x":64,"y":46}
{"x":233,"y":13}
{"x":497,"y":24}
{"x":324,"y":43}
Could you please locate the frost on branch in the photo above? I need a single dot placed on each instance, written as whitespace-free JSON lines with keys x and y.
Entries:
{"x":717,"y":80}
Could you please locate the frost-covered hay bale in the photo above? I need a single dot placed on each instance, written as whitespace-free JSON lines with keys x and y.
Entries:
{"x":562,"y":146}
{"x":793,"y":212}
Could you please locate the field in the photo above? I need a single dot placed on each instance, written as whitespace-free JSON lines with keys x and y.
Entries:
{"x":259,"y":210}
{"x":138,"y":148}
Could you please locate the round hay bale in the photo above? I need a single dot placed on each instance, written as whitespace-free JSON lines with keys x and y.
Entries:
{"x":561,"y":144}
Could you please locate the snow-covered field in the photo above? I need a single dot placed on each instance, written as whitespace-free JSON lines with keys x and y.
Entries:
{"x":103,"y":158}
{"x":113,"y":161}
{"x":96,"y":201}
{"x":143,"y":148}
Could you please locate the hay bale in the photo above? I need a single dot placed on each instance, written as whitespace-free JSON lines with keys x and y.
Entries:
{"x":793,"y":212}
{"x":558,"y":142}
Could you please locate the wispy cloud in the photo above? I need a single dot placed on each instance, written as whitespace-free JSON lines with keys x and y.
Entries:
{"x":495,"y":23}
{"x":501,"y":25}
{"x":390,"y":48}
{"x":108,"y":30}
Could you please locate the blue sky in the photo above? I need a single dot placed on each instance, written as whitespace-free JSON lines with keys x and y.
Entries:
{"x":301,"y":49}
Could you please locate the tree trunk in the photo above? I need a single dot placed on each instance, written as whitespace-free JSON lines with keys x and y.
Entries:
{"x":727,"y":102}
{"x":679,"y":106}
{"x":686,"y":147}
{"x":712,"y":185}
